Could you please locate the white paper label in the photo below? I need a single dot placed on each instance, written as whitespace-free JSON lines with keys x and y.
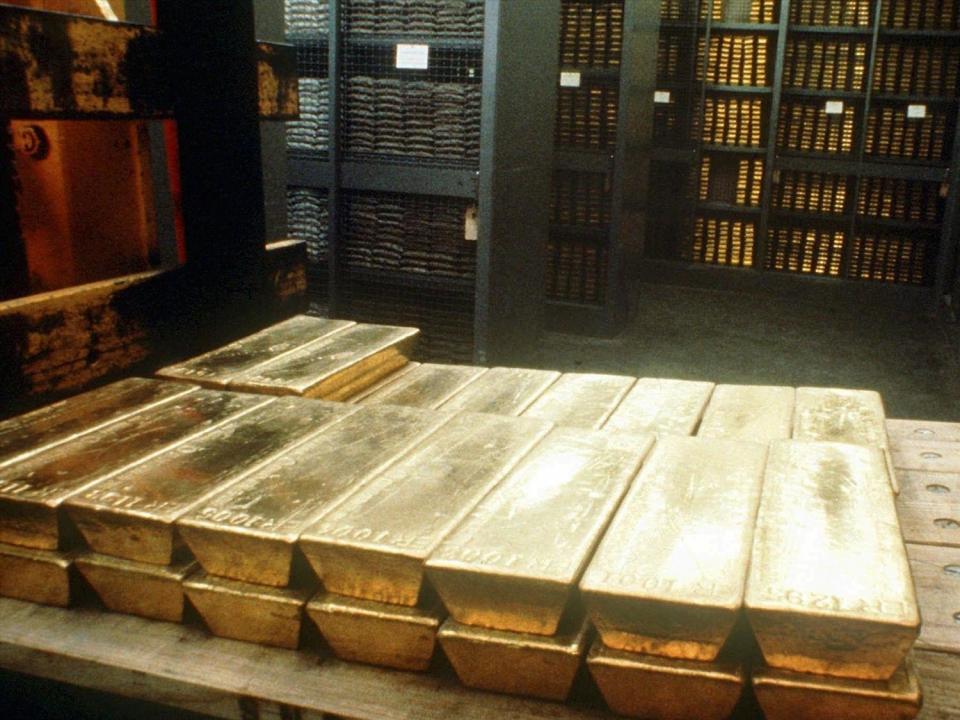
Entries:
{"x":834,"y":107}
{"x":916,"y":112}
{"x":661,"y":97}
{"x":470,"y":230}
{"x":413,"y":57}
{"x":569,"y":79}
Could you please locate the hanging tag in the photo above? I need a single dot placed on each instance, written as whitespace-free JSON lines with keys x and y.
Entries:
{"x":834,"y":107}
{"x":412,"y":57}
{"x":569,"y":79}
{"x":916,"y":112}
{"x":661,"y":97}
{"x":470,"y":230}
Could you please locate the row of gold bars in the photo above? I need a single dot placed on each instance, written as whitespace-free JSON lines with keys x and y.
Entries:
{"x":708,"y":534}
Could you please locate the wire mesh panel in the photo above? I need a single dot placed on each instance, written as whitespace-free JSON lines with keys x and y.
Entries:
{"x":893,"y":256}
{"x":424,"y":18}
{"x":814,"y":63}
{"x":814,"y":193}
{"x":307,"y":24}
{"x":819,"y":126}
{"x":848,"y":13}
{"x":894,"y":132}
{"x":308,"y":219}
{"x":920,"y":14}
{"x":591,"y":33}
{"x":806,"y":249}
{"x":306,"y":19}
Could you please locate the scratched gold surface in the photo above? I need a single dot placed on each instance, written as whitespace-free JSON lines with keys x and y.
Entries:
{"x":647,"y":686}
{"x":661,"y":406}
{"x":756,"y":413}
{"x":150,"y":591}
{"x":39,"y":576}
{"x":218,"y":367}
{"x":393,"y":636}
{"x":785,"y":695}
{"x":668,"y":577}
{"x":248,"y":612}
{"x":514,"y":562}
{"x":581,"y":400}
{"x":502,"y":391}
{"x":324,"y":367}
{"x":132,"y":514}
{"x":829,"y":589}
{"x":248,"y":531}
{"x":375,"y":543}
{"x":29,"y":434}
{"x":381,"y":384}
{"x":517,"y":663}
{"x":32,"y":491}
{"x":427,"y":386}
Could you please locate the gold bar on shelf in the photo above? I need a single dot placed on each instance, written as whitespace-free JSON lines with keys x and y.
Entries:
{"x":132,"y":514}
{"x":374,"y":544}
{"x":581,"y":400}
{"x":829,"y":590}
{"x":647,"y":686}
{"x":668,"y":577}
{"x":32,"y":492}
{"x":325,"y":368}
{"x":38,"y":576}
{"x":502,"y":391}
{"x":516,"y":663}
{"x":384,"y":382}
{"x":756,"y":413}
{"x":662,"y":406}
{"x":936,"y":575}
{"x":218,"y":367}
{"x":514,"y":562}
{"x":132,"y":588}
{"x":845,"y":416}
{"x":245,"y":611}
{"x":248,"y":531}
{"x":394,"y":636}
{"x":428,"y":386}
{"x":785,"y":695}
{"x":34,"y":432}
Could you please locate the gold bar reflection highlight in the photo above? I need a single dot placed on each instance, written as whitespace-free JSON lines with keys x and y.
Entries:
{"x":150,"y":591}
{"x":427,"y":386}
{"x":502,"y":391}
{"x":661,"y":406}
{"x":38,"y":576}
{"x":514,"y":563}
{"x":830,"y":590}
{"x":668,"y":577}
{"x":581,"y":400}
{"x":756,"y":413}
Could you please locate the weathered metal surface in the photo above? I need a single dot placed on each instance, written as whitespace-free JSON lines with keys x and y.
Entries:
{"x":929,"y":507}
{"x":427,"y":386}
{"x":661,"y":406}
{"x":581,"y":400}
{"x":936,"y":575}
{"x":922,"y":430}
{"x":39,"y":576}
{"x":756,"y":413}
{"x":502,"y":391}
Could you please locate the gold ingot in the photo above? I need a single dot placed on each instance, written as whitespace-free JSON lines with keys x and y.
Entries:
{"x":516,"y":663}
{"x":514,"y":563}
{"x":502,"y":391}
{"x":39,"y":576}
{"x":428,"y":386}
{"x":393,"y":636}
{"x":132,"y":588}
{"x":248,"y":531}
{"x":218,"y":367}
{"x":245,"y":611}
{"x":668,"y":577}
{"x":787,"y":695}
{"x":335,"y":367}
{"x":647,"y":686}
{"x":581,"y":400}
{"x":132,"y":514}
{"x":936,"y":575}
{"x":51,"y":425}
{"x":382,"y":383}
{"x":32,"y":491}
{"x":374,"y":544}
{"x":844,"y":416}
{"x":829,"y":590}
{"x":757,"y":413}
{"x":661,"y":406}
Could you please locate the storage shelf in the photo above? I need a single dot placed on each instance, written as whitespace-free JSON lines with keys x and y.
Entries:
{"x":852,"y":95}
{"x":739,"y":89}
{"x":788,"y":216}
{"x":406,"y":279}
{"x":821,"y":163}
{"x":714,"y":206}
{"x":920,"y":34}
{"x":734,"y":149}
{"x":435,"y":41}
{"x":914,"y":99}
{"x":722,"y":26}
{"x":590,"y":75}
{"x":831,"y":29}
{"x":897,"y":224}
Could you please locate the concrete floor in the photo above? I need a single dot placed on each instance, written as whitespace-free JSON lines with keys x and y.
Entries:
{"x":764,"y":338}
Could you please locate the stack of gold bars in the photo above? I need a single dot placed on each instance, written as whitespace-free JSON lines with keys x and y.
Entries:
{"x":682,"y":541}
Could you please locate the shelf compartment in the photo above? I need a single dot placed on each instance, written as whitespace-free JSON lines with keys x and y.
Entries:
{"x":576,"y":269}
{"x":591,"y":33}
{"x":310,"y":133}
{"x":720,"y":240}
{"x":919,"y":16}
{"x":805,"y":126}
{"x":674,"y":56}
{"x":891,"y":133}
{"x":306,"y":18}
{"x":916,"y":68}
{"x":422,"y":19}
{"x":908,"y":201}
{"x":731,"y":182}
{"x":581,"y":198}
{"x":587,"y":117}
{"x":811,"y":248}
{"x":736,"y":122}
{"x":812,"y":192}
{"x":892,"y":256}
{"x":832,"y":13}
{"x":735,"y":59}
{"x":308,"y":219}
{"x":820,"y":64}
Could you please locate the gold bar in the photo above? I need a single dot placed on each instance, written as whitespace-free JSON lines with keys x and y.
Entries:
{"x":647,"y":686}
{"x":502,"y":391}
{"x":516,"y":663}
{"x":662,"y":406}
{"x":27,"y":435}
{"x":936,"y":575}
{"x":830,"y":590}
{"x":755,"y":413}
{"x":844,"y":416}
{"x":391,"y":363}
{"x":922,"y":431}
{"x":514,"y":563}
{"x":787,"y":695}
{"x":38,"y":576}
{"x":31,"y":492}
{"x":248,"y":531}
{"x":131,"y":588}
{"x":218,"y":367}
{"x":381,"y":384}
{"x":244,"y":611}
{"x":581,"y":400}
{"x":929,"y":508}
{"x":374,"y":544}
{"x":329,"y":365}
{"x":132,"y":514}
{"x":393,"y":636}
{"x":428,"y":386}
{"x":668,"y":578}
